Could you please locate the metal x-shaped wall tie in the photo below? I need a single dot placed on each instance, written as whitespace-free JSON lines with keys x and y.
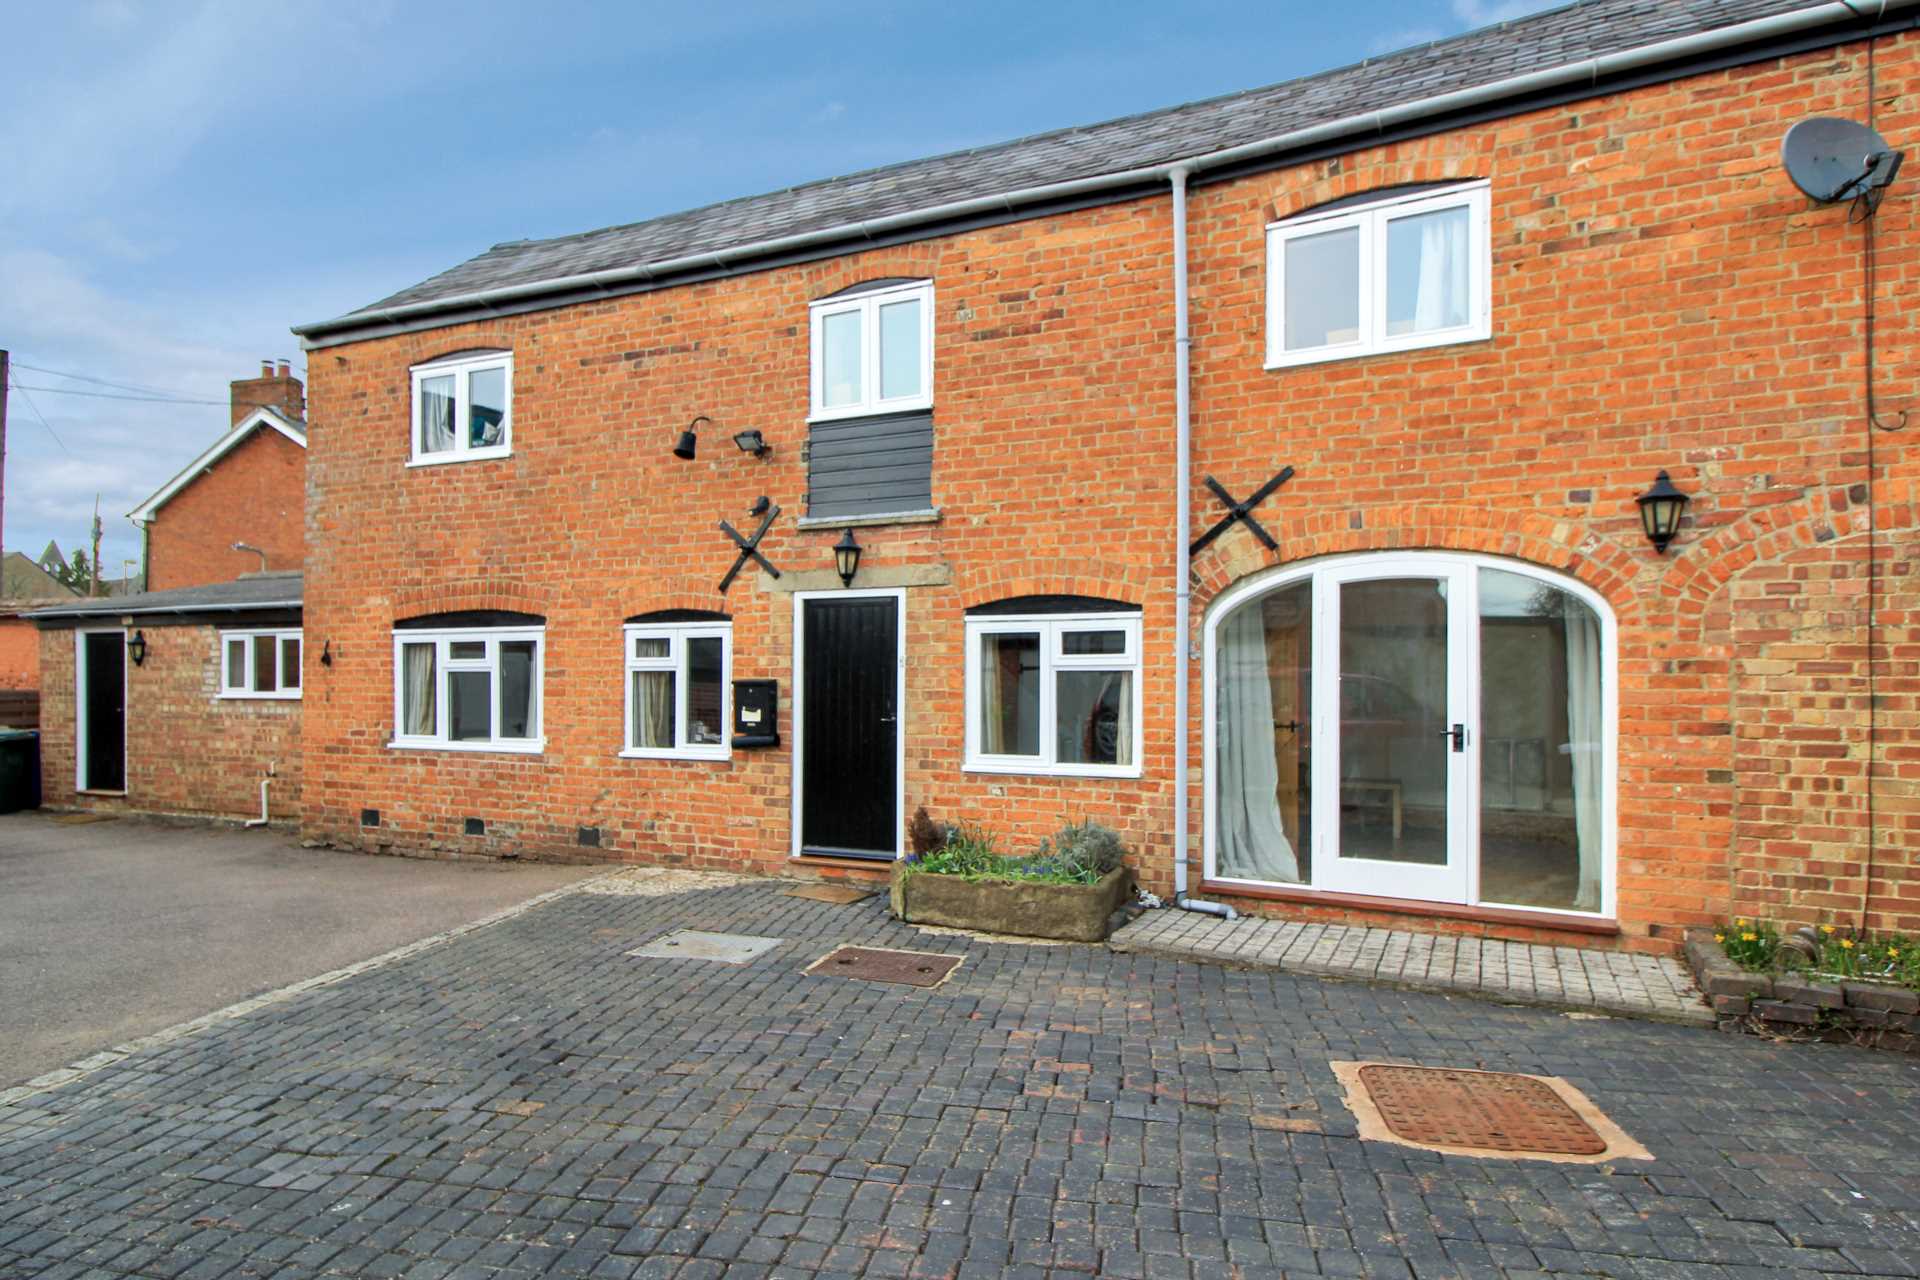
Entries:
{"x":750,"y":547}
{"x":1241,"y":511}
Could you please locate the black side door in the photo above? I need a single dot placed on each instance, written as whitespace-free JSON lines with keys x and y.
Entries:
{"x":850,"y":727}
{"x":105,"y":712}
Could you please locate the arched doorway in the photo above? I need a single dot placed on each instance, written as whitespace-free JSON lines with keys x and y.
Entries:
{"x":1424,"y":725}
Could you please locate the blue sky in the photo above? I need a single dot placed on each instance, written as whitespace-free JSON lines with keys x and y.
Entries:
{"x":184,"y":181}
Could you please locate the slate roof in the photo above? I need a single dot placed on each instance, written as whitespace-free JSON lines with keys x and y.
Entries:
{"x":250,"y":591}
{"x":1539,"y":42}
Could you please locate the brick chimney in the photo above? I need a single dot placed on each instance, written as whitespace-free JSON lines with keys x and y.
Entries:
{"x":276,"y":388}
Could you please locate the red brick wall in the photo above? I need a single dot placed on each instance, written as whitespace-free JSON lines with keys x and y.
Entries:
{"x":19,"y":654}
{"x":1662,"y":298}
{"x":254,"y":494}
{"x":189,"y":751}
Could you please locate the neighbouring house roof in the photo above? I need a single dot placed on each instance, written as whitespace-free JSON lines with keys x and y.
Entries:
{"x":262,"y":419}
{"x":1576,"y":50}
{"x":250,"y":592}
{"x":22,"y":579}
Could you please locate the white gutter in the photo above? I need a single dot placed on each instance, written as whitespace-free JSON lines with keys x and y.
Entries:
{"x":1183,"y":528}
{"x":1587,"y":70}
{"x":150,"y":610}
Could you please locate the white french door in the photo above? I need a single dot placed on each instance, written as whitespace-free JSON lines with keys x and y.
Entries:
{"x":1395,"y":732}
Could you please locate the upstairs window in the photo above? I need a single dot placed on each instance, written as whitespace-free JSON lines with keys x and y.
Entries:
{"x":1396,"y":273}
{"x":677,"y":689}
{"x":462,"y":408}
{"x":462,"y":689}
{"x":1053,"y":693}
{"x":259,"y":664}
{"x":873,"y":350}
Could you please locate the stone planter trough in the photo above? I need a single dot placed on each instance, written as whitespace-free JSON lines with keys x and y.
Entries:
{"x":1073,"y":912}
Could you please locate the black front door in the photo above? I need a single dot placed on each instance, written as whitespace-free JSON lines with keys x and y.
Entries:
{"x":104,"y":716}
{"x":850,"y":727}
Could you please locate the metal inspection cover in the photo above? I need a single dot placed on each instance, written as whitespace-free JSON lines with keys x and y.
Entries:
{"x":1486,"y":1113}
{"x":877,"y":964}
{"x":696,"y":944}
{"x":836,"y":893}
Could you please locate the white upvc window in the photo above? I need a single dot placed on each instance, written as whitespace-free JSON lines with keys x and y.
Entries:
{"x":260,"y":664}
{"x":1399,"y":274}
{"x":462,"y":408}
{"x":679,"y":691}
{"x":471,"y":689}
{"x":1054,"y":694}
{"x":873,"y":352}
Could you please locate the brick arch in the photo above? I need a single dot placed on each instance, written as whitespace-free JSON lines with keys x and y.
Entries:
{"x":432,"y":344}
{"x":1701,"y":570}
{"x":1044,"y":576}
{"x":919,"y":261}
{"x":468,"y":594}
{"x":1438,"y":159}
{"x":671,"y":591}
{"x":1560,"y":545}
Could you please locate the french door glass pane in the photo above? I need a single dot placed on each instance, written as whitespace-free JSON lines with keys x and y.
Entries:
{"x":486,"y":407}
{"x":653,"y":710}
{"x":1093,"y":715}
{"x":1010,"y":693}
{"x":1429,"y":272}
{"x":1393,"y":717}
{"x":516,"y":689}
{"x":1263,"y":706}
{"x":1323,"y":289}
{"x":900,"y":349}
{"x":703,"y":690}
{"x":265,"y":665}
{"x":436,"y":414}
{"x":840,"y":361}
{"x":1541,"y":742}
{"x":470,"y":706}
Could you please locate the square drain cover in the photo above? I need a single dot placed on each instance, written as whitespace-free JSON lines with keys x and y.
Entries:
{"x":1480,"y":1113}
{"x":840,"y":893}
{"x":694,"y":944}
{"x":875,"y":964}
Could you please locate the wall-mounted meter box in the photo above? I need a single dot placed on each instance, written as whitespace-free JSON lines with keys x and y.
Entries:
{"x":756,"y":713}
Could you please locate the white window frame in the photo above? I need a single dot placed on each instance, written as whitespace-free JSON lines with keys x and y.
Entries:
{"x":868,"y":306}
{"x":1051,"y":628}
{"x":1326,"y":576}
{"x":444,"y":665}
{"x":246,"y":640}
{"x":461,"y":369}
{"x":1372,"y":221}
{"x":677,"y":634}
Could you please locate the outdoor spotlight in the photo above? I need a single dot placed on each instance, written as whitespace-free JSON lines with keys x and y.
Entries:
{"x":137,"y":648}
{"x":752,"y":442}
{"x":846,"y":557}
{"x":687,"y":443}
{"x":1660,"y":511}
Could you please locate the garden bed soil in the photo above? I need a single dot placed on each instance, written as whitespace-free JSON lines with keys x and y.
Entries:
{"x":1803,"y":1005}
{"x":1032,"y":909}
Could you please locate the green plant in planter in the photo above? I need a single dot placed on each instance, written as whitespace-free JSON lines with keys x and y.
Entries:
{"x":1079,"y":853}
{"x":1751,"y":944}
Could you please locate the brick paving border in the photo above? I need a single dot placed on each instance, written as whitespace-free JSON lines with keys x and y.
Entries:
{"x":1614,"y":982}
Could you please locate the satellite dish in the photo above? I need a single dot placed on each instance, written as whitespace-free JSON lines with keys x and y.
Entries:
{"x":1834,"y":159}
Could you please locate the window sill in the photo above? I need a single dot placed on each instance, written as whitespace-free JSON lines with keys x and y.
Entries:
{"x":475,"y":748}
{"x":1023,"y":770}
{"x":927,"y":515}
{"x":472,"y":455}
{"x":641,"y":753}
{"x":258,"y":697}
{"x":919,"y":404}
{"x":1280,"y":361}
{"x":1567,"y":922}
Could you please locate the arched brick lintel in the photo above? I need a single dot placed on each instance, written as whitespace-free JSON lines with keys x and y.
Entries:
{"x":465,"y":595}
{"x":1044,"y":575}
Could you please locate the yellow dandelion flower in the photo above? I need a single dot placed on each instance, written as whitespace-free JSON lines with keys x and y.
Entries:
{"x":1721,"y":937}
{"x":1893,"y":952}
{"x":1846,"y":944}
{"x":1749,"y":937}
{"x":1827,"y":929}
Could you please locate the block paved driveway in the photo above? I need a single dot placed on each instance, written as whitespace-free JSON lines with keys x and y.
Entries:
{"x":112,"y":930}
{"x":527,"y":1101}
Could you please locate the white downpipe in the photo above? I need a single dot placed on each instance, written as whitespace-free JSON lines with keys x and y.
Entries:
{"x":265,"y":782}
{"x":1183,"y":522}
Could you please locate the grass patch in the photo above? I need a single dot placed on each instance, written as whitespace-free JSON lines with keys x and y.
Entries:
{"x":1826,"y":951}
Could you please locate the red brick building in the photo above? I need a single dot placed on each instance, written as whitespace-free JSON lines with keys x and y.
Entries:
{"x":249,"y":486}
{"x":1476,"y":296}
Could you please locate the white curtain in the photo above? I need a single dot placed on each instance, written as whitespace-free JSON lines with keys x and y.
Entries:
{"x":1585,"y":732}
{"x":1441,"y":302}
{"x":1123,"y":746}
{"x":436,"y":415}
{"x":1252,"y":843}
{"x":417,"y":670}
{"x":653,"y":709}
{"x":993,"y":727}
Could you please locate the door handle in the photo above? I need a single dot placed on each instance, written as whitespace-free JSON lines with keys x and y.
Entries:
{"x":886,"y":719}
{"x":1459,"y":735}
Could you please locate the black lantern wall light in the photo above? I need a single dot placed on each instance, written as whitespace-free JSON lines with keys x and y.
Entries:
{"x":846,"y":557}
{"x":137,"y":648}
{"x":1660,"y":510}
